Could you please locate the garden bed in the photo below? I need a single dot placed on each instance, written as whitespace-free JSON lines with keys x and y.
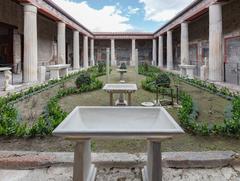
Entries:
{"x":206,"y":101}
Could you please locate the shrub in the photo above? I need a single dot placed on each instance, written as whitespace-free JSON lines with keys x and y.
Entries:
{"x":83,"y":79}
{"x":101,"y":67}
{"x":123,"y":66}
{"x":162,"y":80}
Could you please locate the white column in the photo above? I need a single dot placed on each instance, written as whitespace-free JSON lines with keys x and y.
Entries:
{"x":132,"y":63}
{"x":30,"y":43}
{"x":92,"y":52}
{"x":61,"y":43}
{"x":154,"y":52}
{"x":113,"y":58}
{"x":184,"y":44}
{"x":169,"y":51}
{"x":76,"y":63}
{"x":85,"y":52}
{"x":160,"y":51}
{"x":215,"y":43}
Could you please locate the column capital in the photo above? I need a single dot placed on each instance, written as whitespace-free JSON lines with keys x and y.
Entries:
{"x":29,"y":8}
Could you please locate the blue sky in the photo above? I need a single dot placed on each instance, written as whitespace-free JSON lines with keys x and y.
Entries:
{"x":123,"y":15}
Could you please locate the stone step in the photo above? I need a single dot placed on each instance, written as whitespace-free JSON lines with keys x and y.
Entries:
{"x":30,"y":160}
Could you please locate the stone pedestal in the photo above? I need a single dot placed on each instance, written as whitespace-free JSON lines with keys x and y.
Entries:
{"x":83,"y":170}
{"x":30,"y":43}
{"x":169,"y":51}
{"x":76,"y":63}
{"x":204,"y":72}
{"x":41,"y":74}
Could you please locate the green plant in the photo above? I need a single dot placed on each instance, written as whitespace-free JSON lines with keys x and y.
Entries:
{"x":162,"y":80}
{"x":83,"y":79}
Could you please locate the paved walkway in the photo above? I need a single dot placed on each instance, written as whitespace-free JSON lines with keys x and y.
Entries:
{"x":191,"y":166}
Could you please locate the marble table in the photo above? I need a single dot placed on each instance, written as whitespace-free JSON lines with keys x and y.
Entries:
{"x":122,"y":71}
{"x":153,"y":124}
{"x":57,"y":71}
{"x":188,"y":70}
{"x":121,"y":89}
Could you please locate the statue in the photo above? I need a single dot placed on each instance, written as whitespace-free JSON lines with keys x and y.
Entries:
{"x":8,"y":77}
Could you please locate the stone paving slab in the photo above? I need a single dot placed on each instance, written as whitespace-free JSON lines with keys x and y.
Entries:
{"x":29,"y":160}
{"x":121,"y":174}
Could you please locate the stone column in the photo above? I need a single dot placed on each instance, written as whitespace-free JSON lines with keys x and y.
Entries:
{"x":132,"y":63}
{"x":184,"y":44}
{"x":169,"y":51}
{"x":154,"y":52}
{"x":30,"y":44}
{"x":113,"y":58}
{"x":215,"y":43}
{"x":76,"y":62}
{"x":85,"y":52}
{"x":160,"y":51}
{"x":92,"y":52}
{"x":61,"y":41}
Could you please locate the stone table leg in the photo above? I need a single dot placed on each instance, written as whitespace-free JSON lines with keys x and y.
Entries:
{"x":153,"y":170}
{"x":129,"y":99}
{"x":111,"y":98}
{"x":83,"y":170}
{"x":54,"y":74}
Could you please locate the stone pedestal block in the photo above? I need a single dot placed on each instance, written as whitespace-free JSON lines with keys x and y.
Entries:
{"x":41,"y":74}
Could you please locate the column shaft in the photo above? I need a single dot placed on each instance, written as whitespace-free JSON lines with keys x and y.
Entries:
{"x":169,"y":51}
{"x":154,"y":52}
{"x":113,"y":58}
{"x":85,"y":52}
{"x":30,"y":43}
{"x":92,"y":52}
{"x":215,"y":43}
{"x":132,"y":63}
{"x":61,"y":38}
{"x":160,"y":51}
{"x":76,"y":62}
{"x":184,"y":44}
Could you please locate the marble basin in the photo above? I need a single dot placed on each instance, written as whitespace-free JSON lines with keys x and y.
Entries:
{"x":58,"y":66}
{"x":115,"y":122}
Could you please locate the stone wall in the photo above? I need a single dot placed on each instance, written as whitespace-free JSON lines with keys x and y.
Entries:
{"x":47,"y":32}
{"x":12,"y":13}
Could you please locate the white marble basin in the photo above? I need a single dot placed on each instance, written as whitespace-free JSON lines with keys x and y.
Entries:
{"x":58,"y":66}
{"x":115,"y":122}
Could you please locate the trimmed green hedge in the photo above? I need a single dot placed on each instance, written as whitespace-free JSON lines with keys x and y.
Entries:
{"x":11,"y":125}
{"x":187,"y":116}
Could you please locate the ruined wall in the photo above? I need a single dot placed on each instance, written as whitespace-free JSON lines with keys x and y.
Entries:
{"x":47,"y":32}
{"x":144,"y":51}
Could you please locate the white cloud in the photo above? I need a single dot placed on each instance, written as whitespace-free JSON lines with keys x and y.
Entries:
{"x":109,"y":18}
{"x":163,"y":10}
{"x":132,"y":10}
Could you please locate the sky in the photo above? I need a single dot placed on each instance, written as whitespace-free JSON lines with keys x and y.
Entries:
{"x":123,"y":15}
